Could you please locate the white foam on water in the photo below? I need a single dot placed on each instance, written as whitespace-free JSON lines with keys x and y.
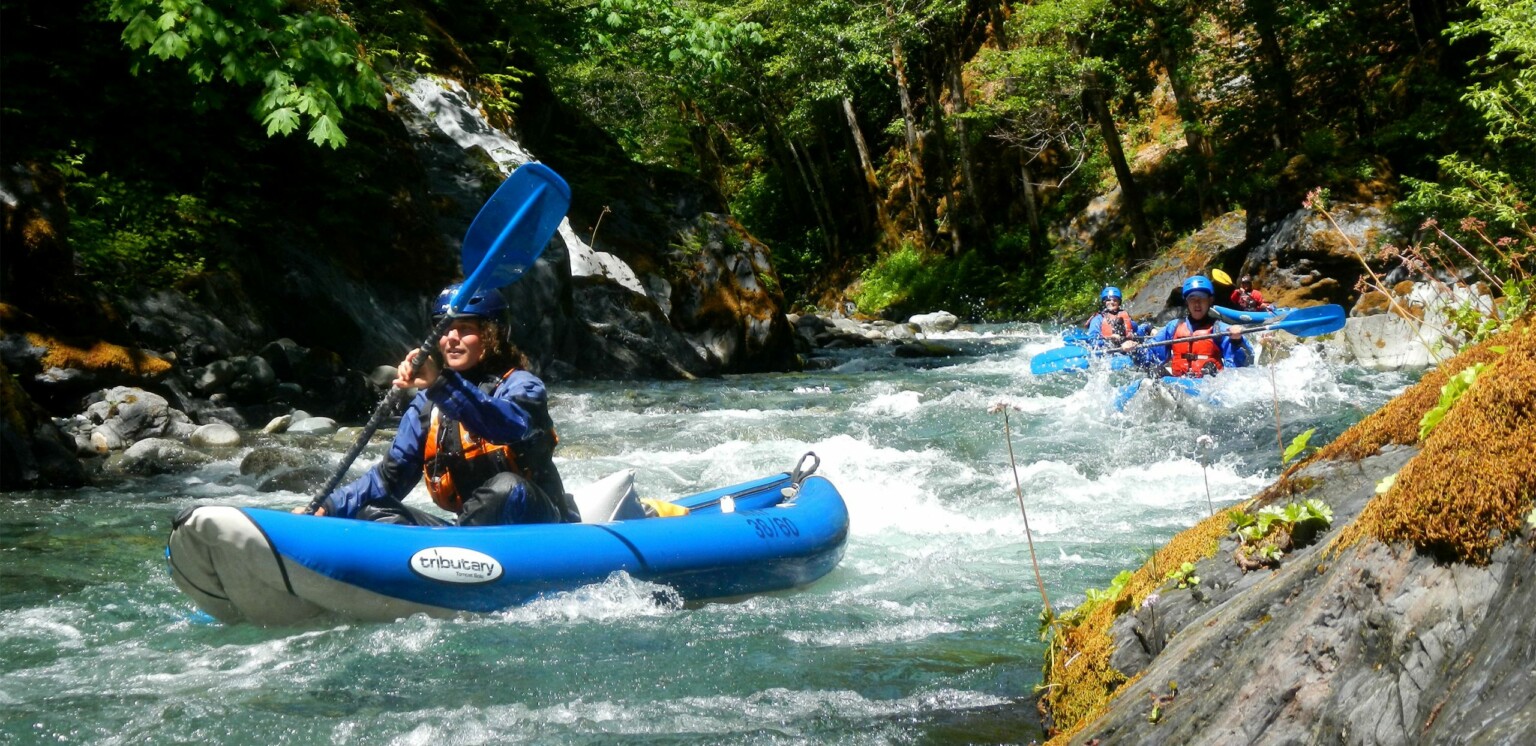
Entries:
{"x":897,"y":404}
{"x":617,"y":598}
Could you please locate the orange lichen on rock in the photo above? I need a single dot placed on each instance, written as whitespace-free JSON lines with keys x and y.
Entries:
{"x":1079,"y":681}
{"x":1398,"y":421}
{"x":99,"y":356}
{"x":1470,"y":488}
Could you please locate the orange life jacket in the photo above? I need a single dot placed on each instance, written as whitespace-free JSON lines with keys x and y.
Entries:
{"x":1192,"y":359}
{"x":473,"y":459}
{"x":1116,"y":325}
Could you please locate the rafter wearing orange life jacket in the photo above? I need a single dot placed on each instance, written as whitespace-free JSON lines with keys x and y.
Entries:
{"x":456,"y":462}
{"x":1198,"y":358}
{"x":1108,"y":326}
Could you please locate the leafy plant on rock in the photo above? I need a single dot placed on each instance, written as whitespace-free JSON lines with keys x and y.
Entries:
{"x":1185,"y":576}
{"x":1273,"y":531}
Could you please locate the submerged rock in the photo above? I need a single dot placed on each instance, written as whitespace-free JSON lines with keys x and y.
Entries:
{"x":155,"y":456}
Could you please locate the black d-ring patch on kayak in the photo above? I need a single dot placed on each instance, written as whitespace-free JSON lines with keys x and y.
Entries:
{"x":278,"y":558}
{"x":645,"y":567}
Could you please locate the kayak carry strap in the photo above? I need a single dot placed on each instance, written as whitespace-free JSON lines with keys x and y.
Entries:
{"x":798,"y":476}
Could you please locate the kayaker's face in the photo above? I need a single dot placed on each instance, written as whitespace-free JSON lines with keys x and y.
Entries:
{"x":1112,"y":304}
{"x":1199,"y":304}
{"x":462,"y":346}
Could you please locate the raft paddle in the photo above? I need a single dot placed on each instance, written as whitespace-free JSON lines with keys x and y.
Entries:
{"x":1302,"y":322}
{"x":1075,"y":357}
{"x":505,"y":239}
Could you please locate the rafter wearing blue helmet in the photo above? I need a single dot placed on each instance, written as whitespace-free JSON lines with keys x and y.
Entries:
{"x":478,"y":431}
{"x":1201,"y":357}
{"x":1111,"y":326}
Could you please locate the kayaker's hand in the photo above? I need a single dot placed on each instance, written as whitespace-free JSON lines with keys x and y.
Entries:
{"x":1128,"y":345}
{"x":320,"y":511}
{"x":425,"y":376}
{"x":1235,"y":332}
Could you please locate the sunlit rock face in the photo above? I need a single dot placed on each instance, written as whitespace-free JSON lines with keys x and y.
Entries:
{"x":705,"y":297}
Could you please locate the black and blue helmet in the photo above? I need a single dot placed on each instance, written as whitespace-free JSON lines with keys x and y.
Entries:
{"x":1109,"y":291}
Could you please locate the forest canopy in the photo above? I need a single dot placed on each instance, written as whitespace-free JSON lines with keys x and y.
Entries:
{"x":901,"y":152}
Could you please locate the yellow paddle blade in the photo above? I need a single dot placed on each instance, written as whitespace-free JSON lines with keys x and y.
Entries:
{"x":1221,"y":277}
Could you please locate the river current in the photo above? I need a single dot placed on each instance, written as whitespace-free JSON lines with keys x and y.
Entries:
{"x":926,"y":632}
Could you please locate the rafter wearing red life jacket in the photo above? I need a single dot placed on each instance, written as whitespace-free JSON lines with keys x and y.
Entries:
{"x":1198,"y":358}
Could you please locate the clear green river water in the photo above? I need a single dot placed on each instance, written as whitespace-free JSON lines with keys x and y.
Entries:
{"x":925,"y":634}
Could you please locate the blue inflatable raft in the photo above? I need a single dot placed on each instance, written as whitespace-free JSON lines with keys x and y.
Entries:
{"x":273,"y":567}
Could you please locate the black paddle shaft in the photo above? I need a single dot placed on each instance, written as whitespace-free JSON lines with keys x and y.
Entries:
{"x":387,"y":405}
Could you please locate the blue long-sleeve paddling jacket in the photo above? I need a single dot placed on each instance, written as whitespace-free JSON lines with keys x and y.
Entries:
{"x":496,"y":417}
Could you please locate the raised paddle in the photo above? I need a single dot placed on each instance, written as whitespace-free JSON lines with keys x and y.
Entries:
{"x":504,"y":240}
{"x":1221,"y":277}
{"x":1302,"y":322}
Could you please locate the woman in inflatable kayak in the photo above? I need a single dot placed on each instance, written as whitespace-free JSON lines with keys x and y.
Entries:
{"x":479,"y":433}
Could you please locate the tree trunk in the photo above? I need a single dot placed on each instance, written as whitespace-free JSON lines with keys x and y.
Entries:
{"x":1130,"y":197}
{"x":967,"y":169}
{"x":1276,"y":73}
{"x":870,"y":179}
{"x":1037,"y":244}
{"x":916,"y":182}
{"x":1170,"y":54}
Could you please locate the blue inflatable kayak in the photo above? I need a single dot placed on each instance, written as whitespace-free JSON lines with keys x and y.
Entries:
{"x":274,"y":567}
{"x":1175,"y":386}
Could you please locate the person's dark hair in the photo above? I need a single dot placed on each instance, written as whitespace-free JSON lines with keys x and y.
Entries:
{"x":500,"y":353}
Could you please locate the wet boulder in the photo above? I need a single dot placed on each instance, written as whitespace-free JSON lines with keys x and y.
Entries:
{"x":936,"y":322}
{"x":301,"y":479}
{"x":313,"y":426}
{"x":265,"y":460}
{"x":34,"y":452}
{"x":155,"y":456}
{"x":215,"y":435}
{"x":123,"y":416}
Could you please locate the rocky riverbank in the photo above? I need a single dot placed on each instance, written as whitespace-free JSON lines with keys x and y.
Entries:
{"x":1403,"y":620}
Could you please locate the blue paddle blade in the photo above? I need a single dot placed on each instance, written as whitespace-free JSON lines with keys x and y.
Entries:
{"x":513,"y":228}
{"x":1074,"y":358}
{"x":1071,"y":357}
{"x":1311,"y":321}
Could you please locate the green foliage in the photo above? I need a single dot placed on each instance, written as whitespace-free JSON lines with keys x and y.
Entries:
{"x":1455,"y":387}
{"x":1297,"y":446}
{"x":1184,"y":576}
{"x":1266,"y":536}
{"x":1096,"y":598}
{"x":908,"y":280}
{"x":891,"y":278}
{"x":1506,"y":97}
{"x":309,"y":64}
{"x":131,"y":235}
{"x":1070,"y":284}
